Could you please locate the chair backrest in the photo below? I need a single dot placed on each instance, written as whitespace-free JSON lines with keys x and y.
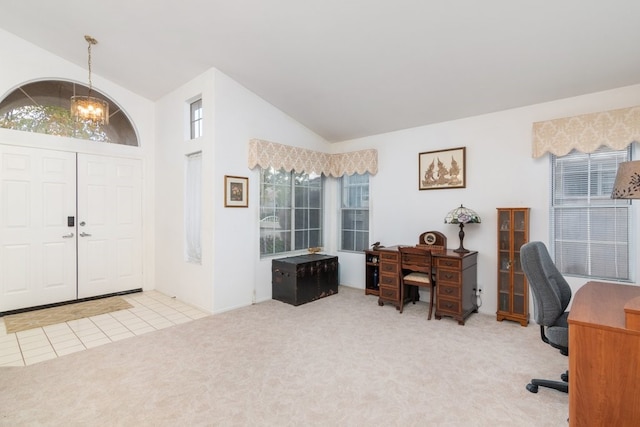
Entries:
{"x":415,"y":259}
{"x":551,"y":292}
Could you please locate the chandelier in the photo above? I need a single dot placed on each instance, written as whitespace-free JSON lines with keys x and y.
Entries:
{"x":88,"y":107}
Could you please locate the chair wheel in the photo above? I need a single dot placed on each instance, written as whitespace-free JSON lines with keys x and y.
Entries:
{"x":532,"y":388}
{"x":564,"y":377}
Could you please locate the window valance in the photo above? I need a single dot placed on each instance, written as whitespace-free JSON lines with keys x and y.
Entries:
{"x":615,"y":129}
{"x":271,"y":154}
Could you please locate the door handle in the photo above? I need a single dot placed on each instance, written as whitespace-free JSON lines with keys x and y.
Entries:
{"x":83,"y":234}
{"x":67,"y":236}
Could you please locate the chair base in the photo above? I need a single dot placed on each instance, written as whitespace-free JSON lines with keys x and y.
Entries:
{"x":562,"y":386}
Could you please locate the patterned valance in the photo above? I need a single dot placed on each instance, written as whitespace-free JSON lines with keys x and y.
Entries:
{"x":585,"y":133}
{"x":271,"y":154}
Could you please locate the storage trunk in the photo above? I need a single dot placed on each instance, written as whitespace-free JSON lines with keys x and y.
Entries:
{"x":300,"y":279}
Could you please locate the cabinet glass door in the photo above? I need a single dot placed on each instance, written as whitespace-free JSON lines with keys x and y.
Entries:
{"x":504,"y":261}
{"x":519,"y":239}
{"x":513,"y":232}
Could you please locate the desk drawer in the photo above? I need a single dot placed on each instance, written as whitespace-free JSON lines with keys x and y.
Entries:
{"x":448,"y":291}
{"x":415,"y":259}
{"x":389,"y":256}
{"x":389,"y":268}
{"x":389,"y":293}
{"x":448,"y":276}
{"x":449,"y":263}
{"x":446,"y":306}
{"x":389,"y":280}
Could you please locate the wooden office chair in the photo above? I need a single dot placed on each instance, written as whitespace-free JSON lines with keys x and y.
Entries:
{"x":415,"y":270}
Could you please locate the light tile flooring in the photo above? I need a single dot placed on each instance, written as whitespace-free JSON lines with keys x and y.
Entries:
{"x":151,"y":311}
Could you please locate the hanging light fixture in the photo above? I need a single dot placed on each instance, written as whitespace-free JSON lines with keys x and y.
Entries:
{"x":89,"y":107}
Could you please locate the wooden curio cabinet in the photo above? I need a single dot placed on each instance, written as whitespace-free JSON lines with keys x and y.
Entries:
{"x":513,"y":295}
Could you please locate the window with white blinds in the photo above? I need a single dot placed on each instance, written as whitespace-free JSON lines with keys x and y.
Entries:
{"x":590,"y":234}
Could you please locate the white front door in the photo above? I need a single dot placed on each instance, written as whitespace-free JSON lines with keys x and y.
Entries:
{"x":109,"y":225}
{"x":61,"y":240}
{"x":37,"y":245}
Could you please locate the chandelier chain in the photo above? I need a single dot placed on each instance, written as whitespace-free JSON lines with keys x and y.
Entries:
{"x":91,"y":41}
{"x":89,"y":63}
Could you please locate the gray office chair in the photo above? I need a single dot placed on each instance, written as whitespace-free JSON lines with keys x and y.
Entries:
{"x":551,"y":296}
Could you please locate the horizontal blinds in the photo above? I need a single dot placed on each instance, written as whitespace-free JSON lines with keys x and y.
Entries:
{"x":591,"y":229}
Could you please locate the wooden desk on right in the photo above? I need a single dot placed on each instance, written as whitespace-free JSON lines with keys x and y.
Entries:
{"x":604,"y":356}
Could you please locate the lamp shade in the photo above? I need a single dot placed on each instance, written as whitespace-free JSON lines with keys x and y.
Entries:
{"x":627,"y":184}
{"x":462,"y":215}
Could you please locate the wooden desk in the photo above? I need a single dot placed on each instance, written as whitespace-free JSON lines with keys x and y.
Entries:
{"x":456,"y":281}
{"x":604,"y":356}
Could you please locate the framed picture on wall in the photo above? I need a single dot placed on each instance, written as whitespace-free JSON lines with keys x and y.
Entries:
{"x":236,"y":191}
{"x":442,"y":169}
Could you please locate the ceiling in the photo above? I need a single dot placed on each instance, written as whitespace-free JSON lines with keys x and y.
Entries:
{"x":351,"y":68}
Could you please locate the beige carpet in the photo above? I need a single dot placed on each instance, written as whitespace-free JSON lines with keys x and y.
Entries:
{"x":338,"y":361}
{"x":64,"y":313}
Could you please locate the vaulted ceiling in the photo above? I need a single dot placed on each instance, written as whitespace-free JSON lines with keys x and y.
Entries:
{"x":351,"y":68}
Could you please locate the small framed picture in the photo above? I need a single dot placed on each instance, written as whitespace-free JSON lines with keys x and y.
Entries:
{"x":236,"y":191}
{"x":442,"y":169}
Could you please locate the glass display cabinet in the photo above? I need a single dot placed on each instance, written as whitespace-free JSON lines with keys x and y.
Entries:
{"x":513,"y":295}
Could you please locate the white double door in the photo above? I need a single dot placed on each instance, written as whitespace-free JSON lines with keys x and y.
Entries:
{"x":70,"y":226}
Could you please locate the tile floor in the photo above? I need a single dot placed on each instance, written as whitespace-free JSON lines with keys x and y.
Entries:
{"x":151,"y":311}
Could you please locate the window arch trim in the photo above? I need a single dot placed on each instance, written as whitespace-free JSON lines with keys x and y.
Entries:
{"x":43,"y":106}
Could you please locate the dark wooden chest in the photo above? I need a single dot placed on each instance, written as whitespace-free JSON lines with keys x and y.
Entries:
{"x":300,"y":279}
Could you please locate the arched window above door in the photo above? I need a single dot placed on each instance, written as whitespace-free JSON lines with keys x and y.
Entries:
{"x":44,"y":107}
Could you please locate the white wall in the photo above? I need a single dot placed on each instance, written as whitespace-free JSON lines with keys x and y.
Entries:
{"x":240,"y":276}
{"x":23,"y":62}
{"x":500,"y":173}
{"x":232,"y":274}
{"x":174,"y":276}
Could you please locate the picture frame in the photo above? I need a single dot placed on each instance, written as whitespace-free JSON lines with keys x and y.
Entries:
{"x":236,"y":191}
{"x":442,"y":169}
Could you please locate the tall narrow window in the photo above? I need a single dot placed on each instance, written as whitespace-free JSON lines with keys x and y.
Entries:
{"x":354,"y":212}
{"x":291,"y":211}
{"x":590,"y":234}
{"x":193,"y":208}
{"x":196,"y":119}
